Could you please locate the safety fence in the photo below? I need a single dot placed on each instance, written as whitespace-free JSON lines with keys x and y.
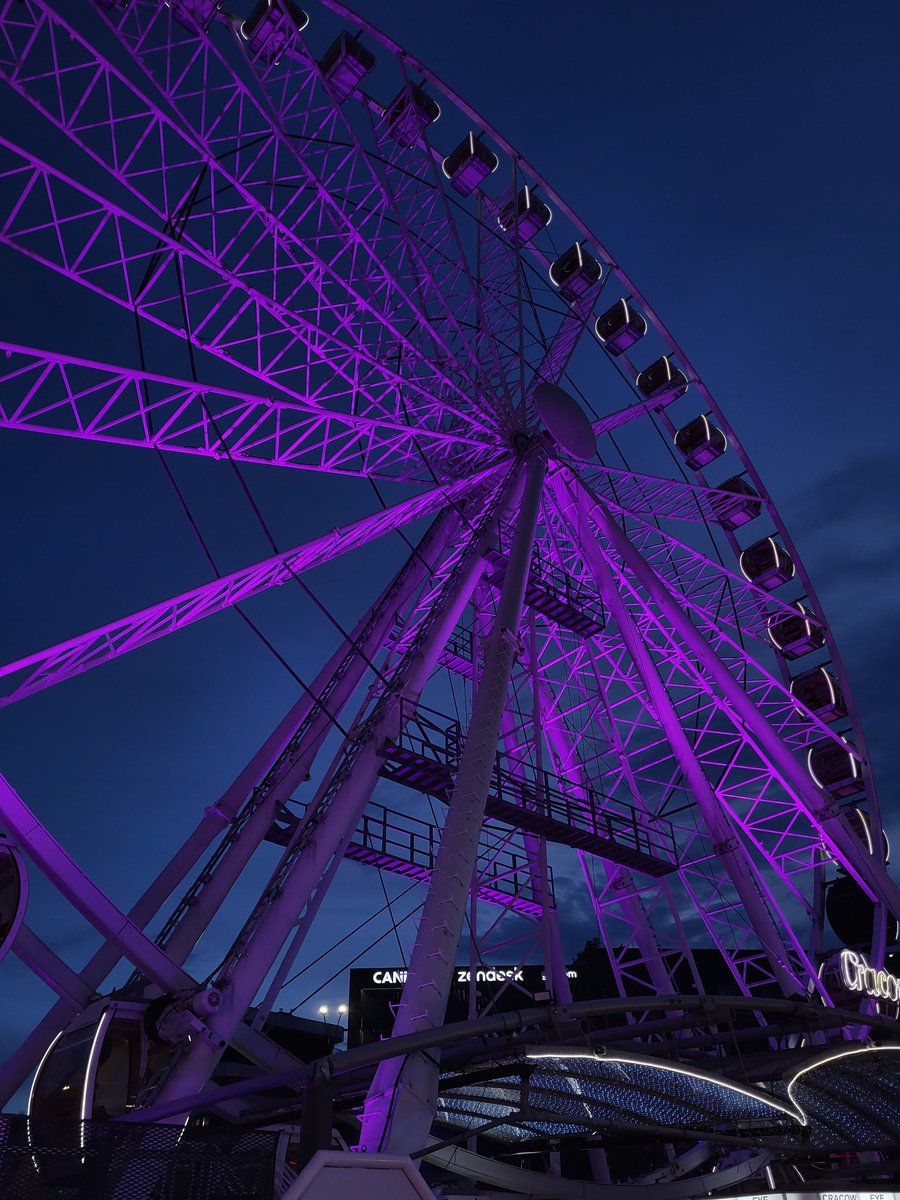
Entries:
{"x":108,"y":1160}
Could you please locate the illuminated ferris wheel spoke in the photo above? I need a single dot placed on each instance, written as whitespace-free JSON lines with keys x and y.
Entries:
{"x":127,"y":261}
{"x":263,"y":790}
{"x":246,"y":810}
{"x":145,"y":145}
{"x":337,"y":197}
{"x":48,"y":667}
{"x":72,"y":397}
{"x":650,"y":496}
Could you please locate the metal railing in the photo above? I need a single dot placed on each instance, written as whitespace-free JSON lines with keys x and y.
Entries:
{"x":391,"y":840}
{"x":436,"y":738}
{"x":556,"y":582}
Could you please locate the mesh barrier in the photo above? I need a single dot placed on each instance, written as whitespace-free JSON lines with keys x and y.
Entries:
{"x":95,"y":1160}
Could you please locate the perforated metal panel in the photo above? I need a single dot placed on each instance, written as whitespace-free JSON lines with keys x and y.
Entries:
{"x":91,"y":1160}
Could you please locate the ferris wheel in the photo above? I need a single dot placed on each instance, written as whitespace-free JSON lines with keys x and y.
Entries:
{"x":602,"y":655}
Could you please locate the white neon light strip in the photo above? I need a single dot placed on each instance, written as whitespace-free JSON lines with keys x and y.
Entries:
{"x":793,"y":1111}
{"x":37,"y":1074}
{"x":821,"y":1062}
{"x":31,"y":1090}
{"x":866,"y":830}
{"x":90,"y":1075}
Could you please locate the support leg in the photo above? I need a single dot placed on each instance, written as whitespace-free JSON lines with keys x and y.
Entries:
{"x":299,"y":882}
{"x":276,"y":758}
{"x":836,"y":829}
{"x":295,"y":744}
{"x":401,"y":1102}
{"x":726,"y":846}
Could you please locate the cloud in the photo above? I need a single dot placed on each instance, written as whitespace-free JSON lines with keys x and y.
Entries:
{"x":855,"y":492}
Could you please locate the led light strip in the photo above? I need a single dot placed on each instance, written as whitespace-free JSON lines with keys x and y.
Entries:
{"x":821,"y":1062}
{"x":793,"y":1111}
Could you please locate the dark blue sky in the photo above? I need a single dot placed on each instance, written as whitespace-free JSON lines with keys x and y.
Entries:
{"x":742,"y":164}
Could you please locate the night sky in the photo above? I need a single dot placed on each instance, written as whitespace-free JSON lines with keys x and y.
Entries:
{"x":741,"y":162}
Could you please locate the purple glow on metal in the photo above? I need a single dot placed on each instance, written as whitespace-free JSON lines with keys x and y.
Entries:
{"x":181,"y":155}
{"x":73,"y":397}
{"x":53,"y":665}
{"x":349,"y":293}
{"x":490,"y":895}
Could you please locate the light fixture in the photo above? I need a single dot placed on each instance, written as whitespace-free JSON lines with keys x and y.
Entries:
{"x":342,"y":1008}
{"x":323,"y":1010}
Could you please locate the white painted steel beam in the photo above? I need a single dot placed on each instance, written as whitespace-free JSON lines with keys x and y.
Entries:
{"x":400,"y":1106}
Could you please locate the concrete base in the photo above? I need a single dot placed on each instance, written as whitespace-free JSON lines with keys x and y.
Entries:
{"x":333,"y":1175}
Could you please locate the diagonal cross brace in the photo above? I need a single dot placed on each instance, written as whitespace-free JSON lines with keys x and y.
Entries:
{"x":46,"y":392}
{"x":80,"y":654}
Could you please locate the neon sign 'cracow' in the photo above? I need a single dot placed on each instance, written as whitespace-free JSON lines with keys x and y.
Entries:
{"x":859,"y":976}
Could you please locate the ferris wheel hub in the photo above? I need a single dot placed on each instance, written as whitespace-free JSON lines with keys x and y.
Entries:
{"x":565,"y":421}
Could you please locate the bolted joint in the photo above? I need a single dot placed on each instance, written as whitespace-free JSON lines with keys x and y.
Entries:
{"x":205,"y":1003}
{"x":520,"y":440}
{"x":727,"y":846}
{"x":512,"y":639}
{"x":828,"y":812}
{"x":174,"y":1019}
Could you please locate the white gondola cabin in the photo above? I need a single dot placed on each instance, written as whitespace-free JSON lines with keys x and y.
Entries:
{"x":345,"y":65}
{"x":524,"y":217}
{"x":834,"y":768}
{"x":743,"y":504}
{"x":796,"y":635}
{"x":661,"y":381}
{"x":818,"y":692}
{"x":700,"y":442}
{"x":575,"y":272}
{"x":620,"y":327}
{"x":410,"y":113}
{"x":766,"y":564}
{"x":469,"y":165}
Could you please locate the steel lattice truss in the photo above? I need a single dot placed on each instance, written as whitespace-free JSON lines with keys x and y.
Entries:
{"x":339,"y":307}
